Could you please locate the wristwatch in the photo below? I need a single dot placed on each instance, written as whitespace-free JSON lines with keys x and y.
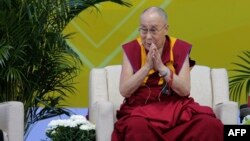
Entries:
{"x":165,"y":74}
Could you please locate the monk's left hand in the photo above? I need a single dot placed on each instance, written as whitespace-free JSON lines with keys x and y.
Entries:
{"x":158,"y":65}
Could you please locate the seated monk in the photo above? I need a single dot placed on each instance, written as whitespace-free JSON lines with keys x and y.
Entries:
{"x":155,"y":84}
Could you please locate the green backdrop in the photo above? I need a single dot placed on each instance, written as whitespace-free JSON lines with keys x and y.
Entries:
{"x":217,"y":29}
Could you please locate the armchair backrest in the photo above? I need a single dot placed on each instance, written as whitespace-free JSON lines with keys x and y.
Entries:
{"x":208,"y":86}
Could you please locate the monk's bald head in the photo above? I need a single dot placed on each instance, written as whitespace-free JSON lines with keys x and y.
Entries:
{"x":155,"y":10}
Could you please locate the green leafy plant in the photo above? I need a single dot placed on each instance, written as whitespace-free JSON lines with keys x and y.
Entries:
{"x":240,"y":82}
{"x":246,"y":120}
{"x":37,"y":66}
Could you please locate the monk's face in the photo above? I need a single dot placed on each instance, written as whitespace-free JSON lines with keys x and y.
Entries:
{"x":153,"y":29}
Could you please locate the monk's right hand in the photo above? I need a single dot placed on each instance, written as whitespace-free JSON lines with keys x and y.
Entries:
{"x":149,"y":62}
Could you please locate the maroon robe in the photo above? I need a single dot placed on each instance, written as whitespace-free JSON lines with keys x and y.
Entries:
{"x":150,"y":115}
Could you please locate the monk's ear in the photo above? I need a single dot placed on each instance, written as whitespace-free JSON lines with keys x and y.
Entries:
{"x":191,"y":63}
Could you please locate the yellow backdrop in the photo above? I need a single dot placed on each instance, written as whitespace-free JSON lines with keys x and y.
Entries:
{"x":218,"y":29}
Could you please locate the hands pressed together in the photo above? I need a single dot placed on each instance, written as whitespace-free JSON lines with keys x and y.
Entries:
{"x":154,"y":61}
{"x":182,"y":80}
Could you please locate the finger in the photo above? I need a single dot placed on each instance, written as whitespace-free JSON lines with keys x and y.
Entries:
{"x":153,"y":46}
{"x":153,"y":55}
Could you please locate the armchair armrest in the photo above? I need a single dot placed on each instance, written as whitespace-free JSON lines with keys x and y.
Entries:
{"x":227,"y":112}
{"x":104,"y":119}
{"x":12,"y":119}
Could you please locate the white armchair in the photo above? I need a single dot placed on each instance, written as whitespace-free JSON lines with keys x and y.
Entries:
{"x":12,"y":120}
{"x":209,"y":86}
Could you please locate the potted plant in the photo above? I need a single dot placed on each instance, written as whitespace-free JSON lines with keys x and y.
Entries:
{"x":246,"y":120}
{"x":37,"y":66}
{"x":76,"y":128}
{"x":239,"y":83}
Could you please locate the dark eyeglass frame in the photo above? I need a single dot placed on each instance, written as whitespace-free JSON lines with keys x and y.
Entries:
{"x":152,"y":31}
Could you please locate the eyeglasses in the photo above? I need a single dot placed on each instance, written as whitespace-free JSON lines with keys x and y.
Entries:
{"x":152,"y":31}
